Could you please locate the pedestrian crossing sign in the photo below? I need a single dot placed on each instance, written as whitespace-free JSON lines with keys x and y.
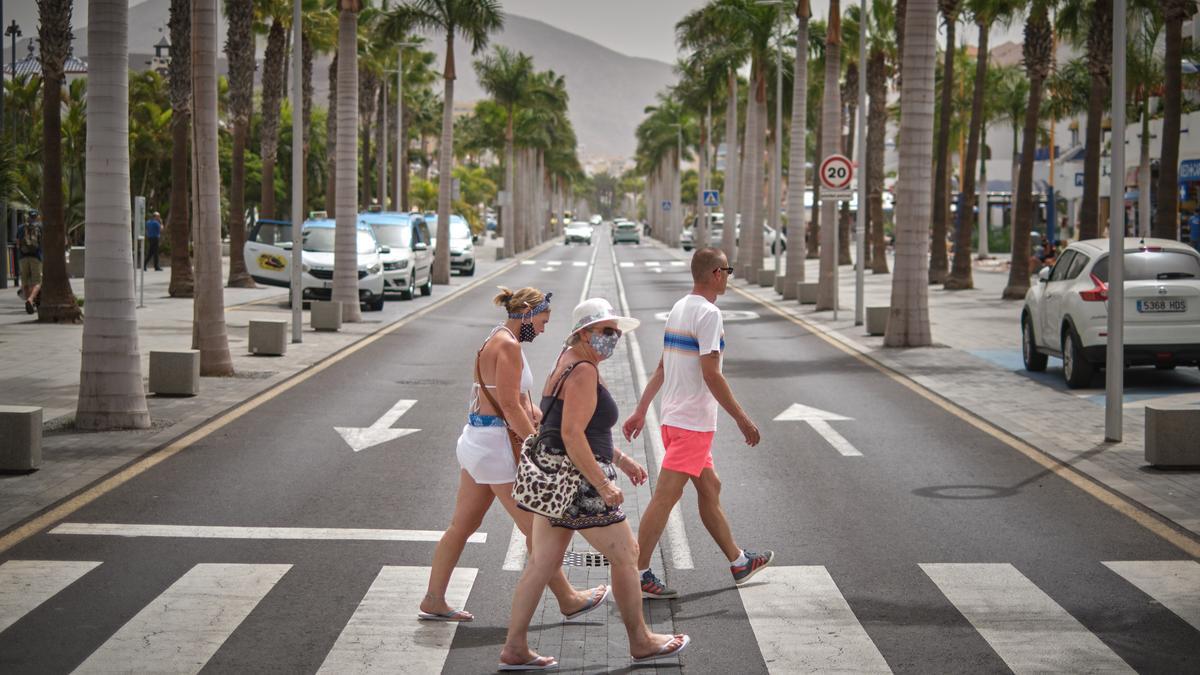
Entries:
{"x":712,"y":198}
{"x":666,"y":205}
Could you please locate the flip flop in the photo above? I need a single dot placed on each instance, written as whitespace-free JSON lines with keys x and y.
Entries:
{"x":665,"y":651}
{"x":454,"y":615}
{"x":536,"y":663}
{"x":593,"y":603}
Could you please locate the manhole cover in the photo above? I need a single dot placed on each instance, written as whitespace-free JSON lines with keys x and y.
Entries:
{"x":587,"y":559}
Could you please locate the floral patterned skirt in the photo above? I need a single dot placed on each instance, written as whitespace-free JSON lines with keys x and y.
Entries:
{"x":588,"y":509}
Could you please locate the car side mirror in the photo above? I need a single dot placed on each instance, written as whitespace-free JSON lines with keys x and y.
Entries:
{"x":287,"y":245}
{"x":385,"y":249}
{"x":1044,"y":275}
{"x":420,"y":246}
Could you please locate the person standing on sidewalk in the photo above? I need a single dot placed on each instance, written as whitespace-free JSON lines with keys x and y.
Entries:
{"x":29,"y":261}
{"x":153,"y":235}
{"x":689,"y":374}
{"x":488,"y":467}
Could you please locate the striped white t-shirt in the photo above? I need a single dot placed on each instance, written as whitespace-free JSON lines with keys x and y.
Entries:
{"x":694,"y":328}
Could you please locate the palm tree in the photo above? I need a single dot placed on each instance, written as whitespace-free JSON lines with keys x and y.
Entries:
{"x":908,"y":319}
{"x":831,"y":143}
{"x":1037,"y":52}
{"x":179,"y":70}
{"x":1088,"y":23}
{"x":508,"y":79}
{"x":881,"y":59}
{"x":475,"y":20}
{"x":984,"y":13}
{"x":1145,"y":69}
{"x":345,"y":263}
{"x":54,"y":35}
{"x":272,"y":98}
{"x":941,"y":178}
{"x":110,"y":379}
{"x":1167,"y":222}
{"x":797,"y":156}
{"x":209,"y":332}
{"x":319,"y":37}
{"x":331,"y":137}
{"x":239,"y":51}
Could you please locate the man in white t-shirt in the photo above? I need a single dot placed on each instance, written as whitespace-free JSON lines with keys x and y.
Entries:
{"x":689,"y":375}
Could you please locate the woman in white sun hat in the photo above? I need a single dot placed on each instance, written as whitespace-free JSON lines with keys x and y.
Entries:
{"x":585,"y":412}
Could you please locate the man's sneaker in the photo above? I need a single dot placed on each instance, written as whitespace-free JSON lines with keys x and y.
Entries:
{"x":654,"y":589}
{"x":28,"y":307}
{"x":754,"y":563}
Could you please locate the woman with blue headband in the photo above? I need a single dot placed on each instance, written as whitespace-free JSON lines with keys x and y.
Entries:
{"x":500,"y":406}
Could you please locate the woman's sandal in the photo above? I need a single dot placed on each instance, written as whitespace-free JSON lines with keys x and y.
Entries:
{"x":454,"y":615}
{"x":536,"y":663}
{"x":593,"y":602}
{"x":665,"y":651}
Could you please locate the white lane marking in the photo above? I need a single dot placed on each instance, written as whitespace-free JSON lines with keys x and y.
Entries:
{"x":677,"y":263}
{"x":626,"y":264}
{"x":514,"y":559}
{"x":587,"y":280}
{"x":652,"y":263}
{"x":1174,"y":583}
{"x":1026,"y":628}
{"x":549,"y":269}
{"x":361,"y":438}
{"x":528,"y":262}
{"x":180,"y":630}
{"x":681,"y":550}
{"x":384,"y":635}
{"x":25,"y":584}
{"x":229,"y":532}
{"x":803,"y":623}
{"x":819,"y":420}
{"x":579,"y":263}
{"x":554,"y":263}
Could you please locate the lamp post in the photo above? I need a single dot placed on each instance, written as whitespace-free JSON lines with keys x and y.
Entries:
{"x":297,"y":175}
{"x":400,"y":133}
{"x":860,"y":235}
{"x":1114,"y":380}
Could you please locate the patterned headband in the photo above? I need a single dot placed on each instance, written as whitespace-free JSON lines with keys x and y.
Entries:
{"x":541,"y":307}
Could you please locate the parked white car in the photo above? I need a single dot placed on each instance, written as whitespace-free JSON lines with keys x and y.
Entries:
{"x":408,"y":264}
{"x":462,"y":243}
{"x":1066,"y":311}
{"x":268,"y":256}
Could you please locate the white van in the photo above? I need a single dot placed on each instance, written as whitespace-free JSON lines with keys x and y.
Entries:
{"x":408,"y":263}
{"x":268,"y":255}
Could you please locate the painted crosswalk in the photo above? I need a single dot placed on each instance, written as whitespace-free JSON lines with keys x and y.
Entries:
{"x":803,"y":619}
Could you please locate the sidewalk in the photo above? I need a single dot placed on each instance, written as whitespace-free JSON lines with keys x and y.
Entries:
{"x":39,"y":366}
{"x":976,"y":364}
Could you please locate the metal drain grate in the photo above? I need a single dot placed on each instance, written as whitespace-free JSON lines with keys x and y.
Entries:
{"x":586,"y":559}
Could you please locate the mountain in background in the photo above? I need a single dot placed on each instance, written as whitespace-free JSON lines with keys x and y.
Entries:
{"x":609,"y":91}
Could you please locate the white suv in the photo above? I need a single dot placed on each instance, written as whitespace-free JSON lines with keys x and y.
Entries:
{"x":1066,"y":311}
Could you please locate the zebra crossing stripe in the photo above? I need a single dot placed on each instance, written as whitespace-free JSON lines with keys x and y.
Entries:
{"x":1026,"y":628}
{"x":184,"y":626}
{"x":25,"y":584}
{"x":1173,"y":583}
{"x":626,"y":264}
{"x":803,"y":623}
{"x":580,"y":263}
{"x":677,"y":263}
{"x":235,"y":532}
{"x":528,"y":262}
{"x":554,"y":263}
{"x":652,"y":263}
{"x":384,"y":635}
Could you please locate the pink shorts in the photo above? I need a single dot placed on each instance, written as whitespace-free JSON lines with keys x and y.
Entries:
{"x":687,"y":451}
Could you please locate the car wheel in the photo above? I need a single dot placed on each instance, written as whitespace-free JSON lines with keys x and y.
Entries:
{"x":408,"y":293}
{"x":375,"y":305}
{"x":470,"y":271}
{"x":1035,"y":361}
{"x":427,"y":288}
{"x":1076,"y":369}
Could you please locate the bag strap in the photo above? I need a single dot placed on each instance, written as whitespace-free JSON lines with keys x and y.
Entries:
{"x":561,"y":381}
{"x":479,"y":379}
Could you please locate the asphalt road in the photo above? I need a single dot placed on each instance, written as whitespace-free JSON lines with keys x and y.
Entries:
{"x":928,"y":489}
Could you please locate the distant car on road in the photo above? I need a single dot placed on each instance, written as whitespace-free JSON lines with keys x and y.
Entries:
{"x":595,"y":220}
{"x":408,"y":264}
{"x":462,"y":243}
{"x":626,"y":230}
{"x":1066,"y":311}
{"x":578,"y":231}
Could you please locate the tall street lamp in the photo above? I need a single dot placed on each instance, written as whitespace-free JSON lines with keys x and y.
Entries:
{"x":3,"y":205}
{"x":1114,"y":382}
{"x":400,"y":133}
{"x":860,"y":236}
{"x":297,"y":174}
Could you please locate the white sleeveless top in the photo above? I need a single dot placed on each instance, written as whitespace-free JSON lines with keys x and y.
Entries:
{"x":526,"y":374}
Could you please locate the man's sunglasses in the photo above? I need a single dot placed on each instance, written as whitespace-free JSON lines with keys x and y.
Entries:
{"x":726,"y":270}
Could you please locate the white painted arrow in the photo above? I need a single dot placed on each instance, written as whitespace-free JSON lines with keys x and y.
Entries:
{"x":359,"y":438}
{"x":819,"y":420}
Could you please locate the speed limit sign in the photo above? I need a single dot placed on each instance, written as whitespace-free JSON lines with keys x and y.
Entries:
{"x":836,"y":173}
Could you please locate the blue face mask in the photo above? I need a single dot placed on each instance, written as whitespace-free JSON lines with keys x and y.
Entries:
{"x":604,"y":345}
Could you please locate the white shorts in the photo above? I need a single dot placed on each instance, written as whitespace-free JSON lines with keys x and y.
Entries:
{"x":487,"y":455}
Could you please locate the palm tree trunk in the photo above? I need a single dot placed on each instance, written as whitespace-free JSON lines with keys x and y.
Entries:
{"x":441,"y":257}
{"x":748,"y":188}
{"x":110,"y":378}
{"x":182,"y":283}
{"x":732,"y":164}
{"x":506,"y":212}
{"x":700,"y":232}
{"x":876,"y":138}
{"x":238,"y":276}
{"x":345,"y":258}
{"x":1089,"y":209}
{"x":797,"y":159}
{"x":306,"y":89}
{"x":908,"y":319}
{"x":851,"y":108}
{"x":962,"y":275}
{"x":1143,"y":175}
{"x":381,"y":149}
{"x":831,"y":141}
{"x":814,"y":229}
{"x":1166,"y":223}
{"x":941,"y":177}
{"x":331,"y":137}
{"x":272,"y":85}
{"x":1024,"y":210}
{"x":210,"y":331}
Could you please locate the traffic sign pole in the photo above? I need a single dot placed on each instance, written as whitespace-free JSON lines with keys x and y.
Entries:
{"x":836,"y":175}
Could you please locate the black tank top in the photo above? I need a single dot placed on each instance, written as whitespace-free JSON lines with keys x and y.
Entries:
{"x":599,"y":427}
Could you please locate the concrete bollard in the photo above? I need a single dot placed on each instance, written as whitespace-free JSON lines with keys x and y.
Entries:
{"x":75,"y":262}
{"x":268,"y":337}
{"x":779,"y":284}
{"x":766,"y":278}
{"x":877,"y":319}
{"x":175,"y":373}
{"x":21,"y":429}
{"x":326,"y":315}
{"x":1171,"y":438}
{"x":806,"y":292}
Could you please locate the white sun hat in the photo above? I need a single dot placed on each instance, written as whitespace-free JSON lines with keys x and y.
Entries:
{"x":596,"y":310}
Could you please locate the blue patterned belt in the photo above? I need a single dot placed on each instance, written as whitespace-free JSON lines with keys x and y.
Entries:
{"x":477,"y":420}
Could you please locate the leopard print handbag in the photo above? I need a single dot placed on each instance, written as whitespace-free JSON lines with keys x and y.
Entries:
{"x":547,"y":481}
